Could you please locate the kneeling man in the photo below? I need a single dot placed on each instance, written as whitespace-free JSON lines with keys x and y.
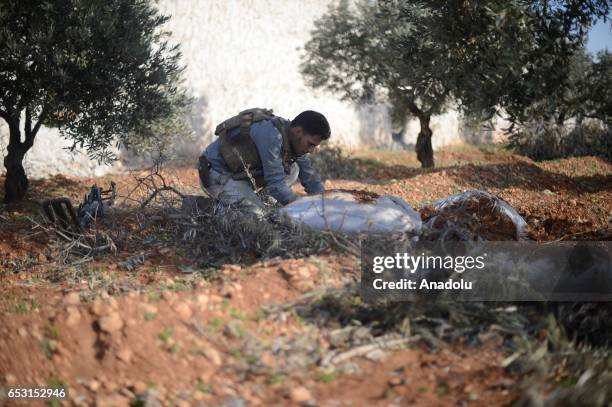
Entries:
{"x":259,"y":152}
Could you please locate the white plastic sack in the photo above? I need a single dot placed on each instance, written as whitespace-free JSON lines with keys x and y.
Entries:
{"x":354,"y":212}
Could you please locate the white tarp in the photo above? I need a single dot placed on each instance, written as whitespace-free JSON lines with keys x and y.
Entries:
{"x":354,"y":212}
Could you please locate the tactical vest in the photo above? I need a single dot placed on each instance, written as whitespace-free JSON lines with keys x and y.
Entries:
{"x":240,"y":152}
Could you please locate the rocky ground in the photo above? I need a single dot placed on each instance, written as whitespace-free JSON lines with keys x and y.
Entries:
{"x":149,"y":324}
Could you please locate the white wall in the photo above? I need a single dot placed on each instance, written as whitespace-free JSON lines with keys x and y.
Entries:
{"x":240,"y":54}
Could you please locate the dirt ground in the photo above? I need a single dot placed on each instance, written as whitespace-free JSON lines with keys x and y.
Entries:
{"x":141,"y":328}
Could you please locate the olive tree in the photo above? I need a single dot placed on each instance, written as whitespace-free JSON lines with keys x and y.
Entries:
{"x":422,"y":56}
{"x":98,"y":70}
{"x":367,"y":51}
{"x":525,"y":59}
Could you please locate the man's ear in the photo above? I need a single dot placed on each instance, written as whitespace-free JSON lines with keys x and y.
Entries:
{"x":298,"y":131}
{"x":296,"y":134}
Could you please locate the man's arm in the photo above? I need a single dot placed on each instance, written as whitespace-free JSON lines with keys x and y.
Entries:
{"x":308,"y":176}
{"x":269,"y":144}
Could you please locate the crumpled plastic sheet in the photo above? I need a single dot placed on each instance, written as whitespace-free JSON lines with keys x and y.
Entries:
{"x":348,"y":212}
{"x":486,"y":202}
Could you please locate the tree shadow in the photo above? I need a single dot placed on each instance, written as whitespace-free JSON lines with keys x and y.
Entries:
{"x":515,"y":174}
{"x":527,"y":176}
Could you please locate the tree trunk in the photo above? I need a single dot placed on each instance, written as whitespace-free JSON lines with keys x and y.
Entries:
{"x":423,"y":146}
{"x":16,"y":183}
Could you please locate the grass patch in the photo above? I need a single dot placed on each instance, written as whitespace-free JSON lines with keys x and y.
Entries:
{"x":327,"y":377}
{"x":165,"y":335}
{"x":48,"y":347}
{"x":276,"y":378}
{"x":260,"y":315}
{"x":52,"y":332}
{"x":24,"y":305}
{"x":204,"y":387}
{"x":179,"y":286}
{"x":215,"y":323}
{"x":236,"y":313}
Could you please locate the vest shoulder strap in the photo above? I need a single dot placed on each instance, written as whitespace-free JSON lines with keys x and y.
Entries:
{"x":244,"y":119}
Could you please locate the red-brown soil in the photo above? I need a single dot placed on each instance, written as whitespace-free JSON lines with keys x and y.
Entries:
{"x":109,"y":333}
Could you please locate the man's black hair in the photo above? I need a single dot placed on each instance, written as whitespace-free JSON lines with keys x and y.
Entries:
{"x":313,"y":123}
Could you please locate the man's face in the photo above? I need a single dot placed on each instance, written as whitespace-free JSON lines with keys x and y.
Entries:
{"x":304,"y":143}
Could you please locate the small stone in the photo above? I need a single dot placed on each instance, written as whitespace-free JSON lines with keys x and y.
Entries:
{"x":182,"y":403}
{"x":125,"y":355}
{"x":206,"y":375}
{"x":268,"y":360}
{"x":115,"y":400}
{"x":300,"y":395}
{"x":93,"y":385}
{"x":202,"y":299}
{"x":74,"y":316}
{"x":212,"y":355}
{"x":10,"y":379}
{"x":35,"y":332}
{"x":22,"y":332}
{"x":232,"y":267}
{"x":167,"y":295}
{"x":110,"y":385}
{"x":548,"y":192}
{"x":139,"y":387}
{"x":183,"y":310}
{"x":73,"y":298}
{"x":99,"y":308}
{"x":397,"y":381}
{"x":112,"y":302}
{"x":42,"y":258}
{"x":110,"y":323}
{"x":127,"y":393}
{"x":303,"y":272}
{"x":149,"y":308}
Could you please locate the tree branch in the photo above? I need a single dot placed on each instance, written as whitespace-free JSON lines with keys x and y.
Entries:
{"x":414,"y":109}
{"x":5,"y":116}
{"x":41,"y":117}
{"x":28,"y":122}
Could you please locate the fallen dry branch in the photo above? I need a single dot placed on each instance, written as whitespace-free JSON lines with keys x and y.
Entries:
{"x":78,"y":248}
{"x":389,"y":341}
